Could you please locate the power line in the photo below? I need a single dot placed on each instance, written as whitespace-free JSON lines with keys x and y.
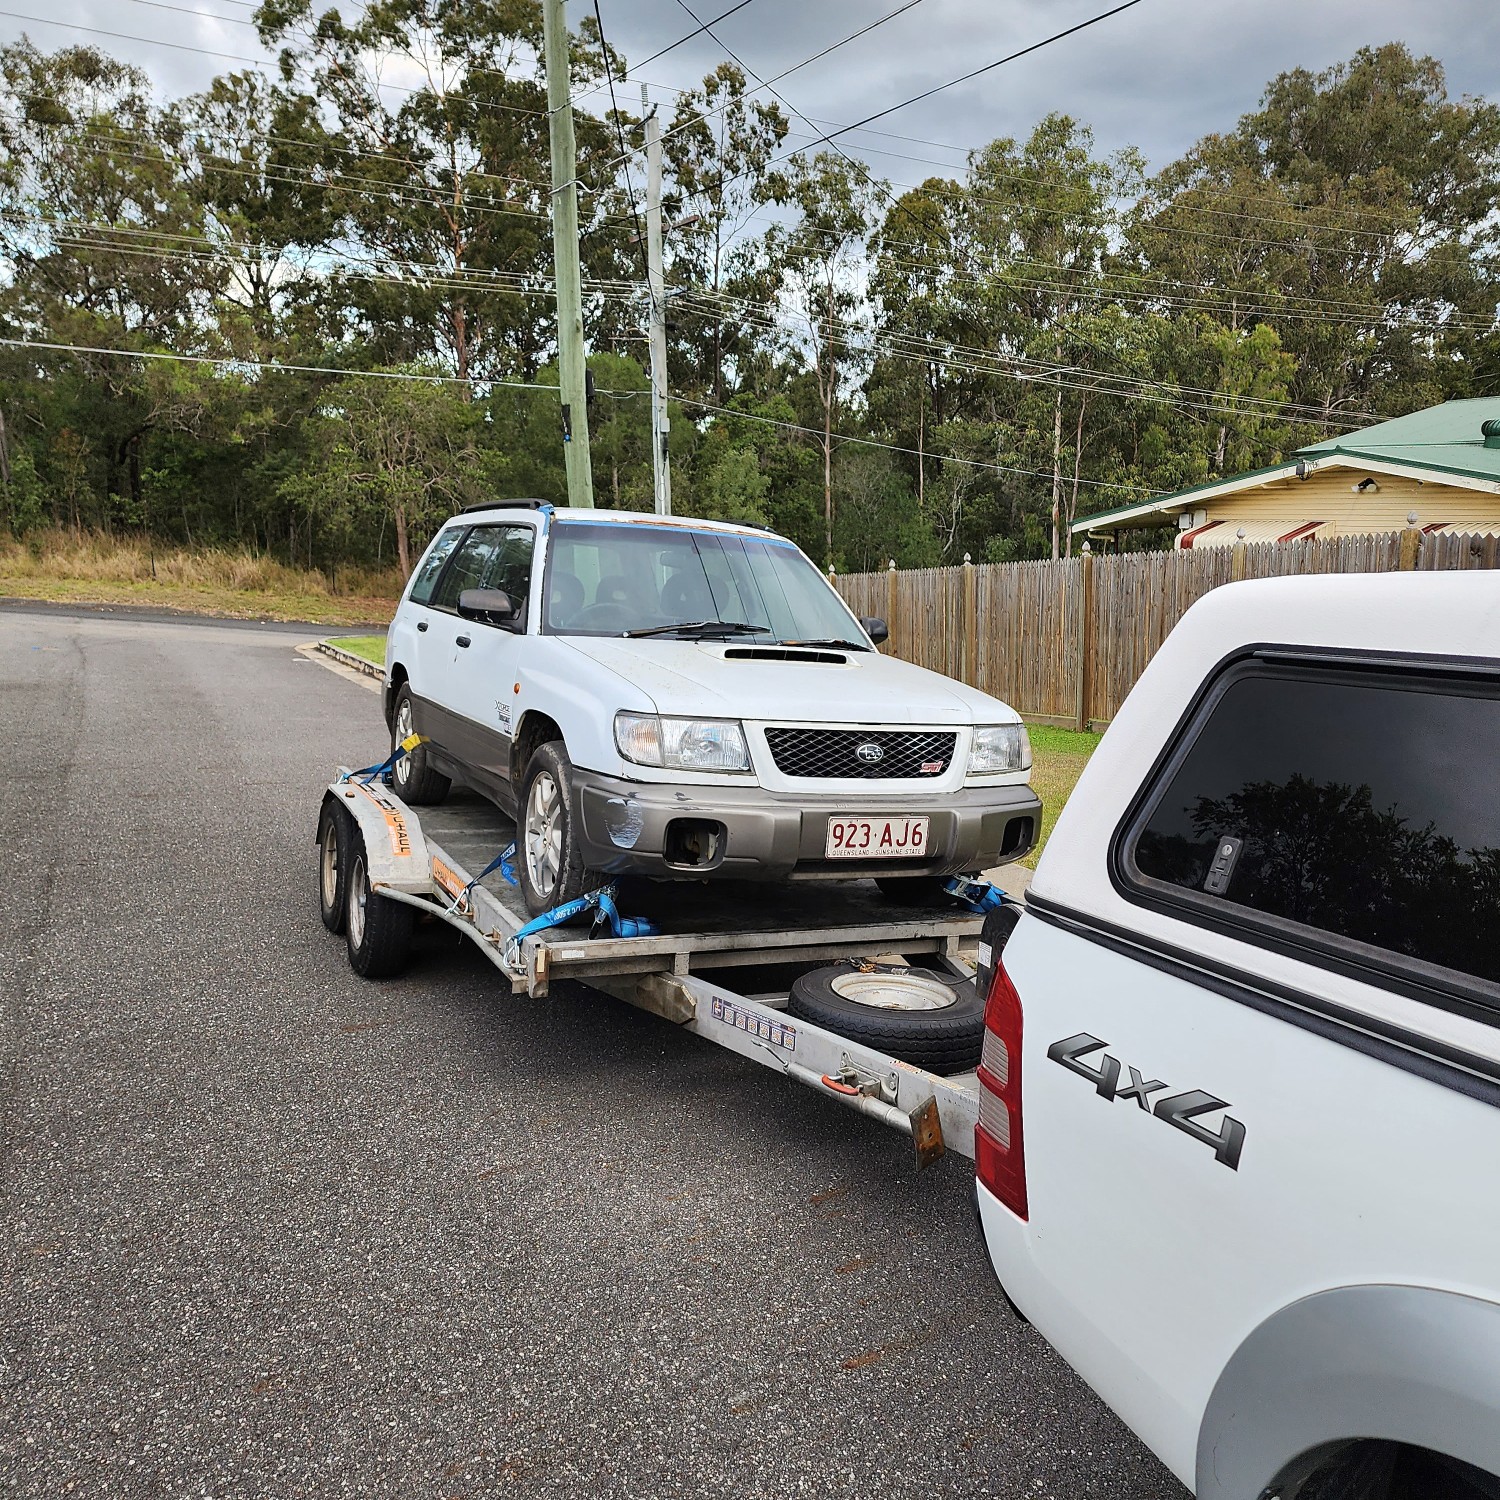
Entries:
{"x":202,"y":15}
{"x":1058,"y":36}
{"x":614,"y":106}
{"x":671,"y":47}
{"x":968,"y":463}
{"x":787,"y":73}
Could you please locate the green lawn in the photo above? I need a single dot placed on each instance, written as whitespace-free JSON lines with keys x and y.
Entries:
{"x":1058,"y":755}
{"x":370,"y":648}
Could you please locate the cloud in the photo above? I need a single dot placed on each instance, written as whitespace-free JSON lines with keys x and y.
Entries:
{"x":1158,"y":76}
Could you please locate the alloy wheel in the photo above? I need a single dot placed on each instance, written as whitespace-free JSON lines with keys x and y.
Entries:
{"x":543,"y":833}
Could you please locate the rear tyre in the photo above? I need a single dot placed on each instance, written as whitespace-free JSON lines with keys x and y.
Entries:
{"x":549,"y":848}
{"x":377,"y":929}
{"x":413,"y":777}
{"x":914,"y":890}
{"x":928,"y":1019}
{"x":334,"y":828}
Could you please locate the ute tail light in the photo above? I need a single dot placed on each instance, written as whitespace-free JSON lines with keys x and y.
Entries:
{"x":999,"y":1147}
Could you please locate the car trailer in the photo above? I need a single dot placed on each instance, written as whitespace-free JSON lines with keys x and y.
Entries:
{"x":382,"y":864}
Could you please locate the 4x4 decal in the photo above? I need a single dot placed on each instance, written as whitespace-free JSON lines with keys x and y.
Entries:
{"x":1180,"y":1111}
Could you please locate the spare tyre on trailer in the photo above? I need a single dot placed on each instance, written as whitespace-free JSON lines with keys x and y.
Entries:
{"x":932,"y":1020}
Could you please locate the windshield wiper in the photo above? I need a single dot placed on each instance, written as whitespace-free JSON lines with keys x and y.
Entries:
{"x":701,"y":627}
{"x":830,"y":641}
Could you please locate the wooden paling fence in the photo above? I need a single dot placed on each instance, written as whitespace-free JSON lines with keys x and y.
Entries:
{"x":1064,"y":642}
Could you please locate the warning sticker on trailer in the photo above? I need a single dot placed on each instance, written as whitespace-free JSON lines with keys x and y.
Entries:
{"x":777,"y":1033}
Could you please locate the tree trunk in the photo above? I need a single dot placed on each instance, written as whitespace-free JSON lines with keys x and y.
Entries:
{"x":921,"y":433}
{"x":403,"y":547}
{"x":1073,"y":501}
{"x":828,"y":395}
{"x":1056,"y":470}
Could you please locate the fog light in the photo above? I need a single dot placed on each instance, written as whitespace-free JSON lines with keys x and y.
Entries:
{"x":694,"y":843}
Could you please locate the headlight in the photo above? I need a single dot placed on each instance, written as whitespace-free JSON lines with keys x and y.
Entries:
{"x":998,"y":748}
{"x":682,"y":744}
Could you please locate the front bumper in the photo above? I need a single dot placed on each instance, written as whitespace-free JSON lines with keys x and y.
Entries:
{"x":628,"y":827}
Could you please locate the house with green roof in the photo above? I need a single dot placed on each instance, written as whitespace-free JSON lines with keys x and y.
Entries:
{"x":1441,"y":465}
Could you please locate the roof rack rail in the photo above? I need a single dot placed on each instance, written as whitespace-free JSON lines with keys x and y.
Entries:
{"x":505,"y":505}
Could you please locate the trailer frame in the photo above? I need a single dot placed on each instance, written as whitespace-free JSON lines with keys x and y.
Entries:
{"x":425,"y":859}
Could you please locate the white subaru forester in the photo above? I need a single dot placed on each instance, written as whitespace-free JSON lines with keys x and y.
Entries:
{"x":689,"y":699}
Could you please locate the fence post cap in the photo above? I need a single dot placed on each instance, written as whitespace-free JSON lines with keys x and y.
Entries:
{"x":1239,"y":535}
{"x":1086,"y":550}
{"x":892,"y":565}
{"x":1411,"y":518}
{"x":966,"y":560}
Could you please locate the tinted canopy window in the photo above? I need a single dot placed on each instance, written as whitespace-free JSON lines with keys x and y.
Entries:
{"x":1362,"y":805}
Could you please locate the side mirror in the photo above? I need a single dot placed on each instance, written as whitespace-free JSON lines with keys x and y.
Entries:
{"x":488,"y":607}
{"x":875,"y":628}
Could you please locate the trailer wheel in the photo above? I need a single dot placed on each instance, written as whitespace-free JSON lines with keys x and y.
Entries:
{"x":334,"y":830}
{"x":549,"y":853}
{"x":377,"y":929}
{"x":413,"y":777}
{"x":920,"y":1017}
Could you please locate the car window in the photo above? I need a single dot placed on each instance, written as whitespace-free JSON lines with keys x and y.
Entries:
{"x":1359,"y":805}
{"x":426,"y":576}
{"x":606,"y":579}
{"x":470,"y":565}
{"x":509,"y":565}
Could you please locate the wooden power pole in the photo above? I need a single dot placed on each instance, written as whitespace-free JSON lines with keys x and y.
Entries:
{"x":657,"y":286}
{"x":572,"y":376}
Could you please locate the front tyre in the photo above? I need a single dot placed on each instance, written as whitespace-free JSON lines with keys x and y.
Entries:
{"x":412,"y":776}
{"x":377,"y":929}
{"x":551,"y":864}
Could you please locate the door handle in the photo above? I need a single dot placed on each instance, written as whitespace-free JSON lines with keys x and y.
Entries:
{"x":421,"y":624}
{"x":463,"y":640}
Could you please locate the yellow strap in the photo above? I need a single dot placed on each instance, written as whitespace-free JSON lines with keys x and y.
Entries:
{"x":411,"y":742}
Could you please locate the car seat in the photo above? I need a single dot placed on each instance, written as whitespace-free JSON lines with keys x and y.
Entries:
{"x":564,"y":599}
{"x":685,"y":596}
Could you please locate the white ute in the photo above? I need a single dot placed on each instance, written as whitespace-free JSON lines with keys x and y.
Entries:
{"x":1239,"y":1119}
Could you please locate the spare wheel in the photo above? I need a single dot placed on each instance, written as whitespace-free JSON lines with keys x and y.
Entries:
{"x":933,"y":1020}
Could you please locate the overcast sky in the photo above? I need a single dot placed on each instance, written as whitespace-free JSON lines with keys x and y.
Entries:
{"x":1157,"y":76}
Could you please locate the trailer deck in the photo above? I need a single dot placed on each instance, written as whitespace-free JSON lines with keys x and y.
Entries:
{"x":706,"y":933}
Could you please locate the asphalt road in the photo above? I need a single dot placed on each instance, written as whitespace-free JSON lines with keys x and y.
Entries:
{"x":271,"y":1231}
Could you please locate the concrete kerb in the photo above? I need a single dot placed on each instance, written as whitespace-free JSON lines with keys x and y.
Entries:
{"x":349,"y":667}
{"x":349,"y":659}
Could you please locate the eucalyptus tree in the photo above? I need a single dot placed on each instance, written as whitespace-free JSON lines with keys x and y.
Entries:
{"x":820,"y":260}
{"x":440,"y":107}
{"x":717,"y":150}
{"x":1354,"y":211}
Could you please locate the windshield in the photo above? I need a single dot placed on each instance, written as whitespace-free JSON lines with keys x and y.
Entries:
{"x":609,"y":579}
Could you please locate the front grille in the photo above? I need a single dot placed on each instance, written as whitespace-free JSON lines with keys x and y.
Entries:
{"x":905,"y":754}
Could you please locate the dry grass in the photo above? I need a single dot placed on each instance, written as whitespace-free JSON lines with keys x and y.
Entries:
{"x":98,"y":569}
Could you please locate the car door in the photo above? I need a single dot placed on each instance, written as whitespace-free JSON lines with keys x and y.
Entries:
{"x":476,"y":681}
{"x":411,"y":645}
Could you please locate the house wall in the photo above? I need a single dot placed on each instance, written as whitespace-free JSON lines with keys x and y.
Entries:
{"x":1328,"y":496}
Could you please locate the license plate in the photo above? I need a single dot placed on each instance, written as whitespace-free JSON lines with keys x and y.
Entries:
{"x":876,"y":838}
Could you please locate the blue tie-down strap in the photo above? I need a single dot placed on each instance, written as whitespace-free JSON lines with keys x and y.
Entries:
{"x":601,"y":901}
{"x":370,"y":773}
{"x":977,"y":895}
{"x":504,"y":861}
